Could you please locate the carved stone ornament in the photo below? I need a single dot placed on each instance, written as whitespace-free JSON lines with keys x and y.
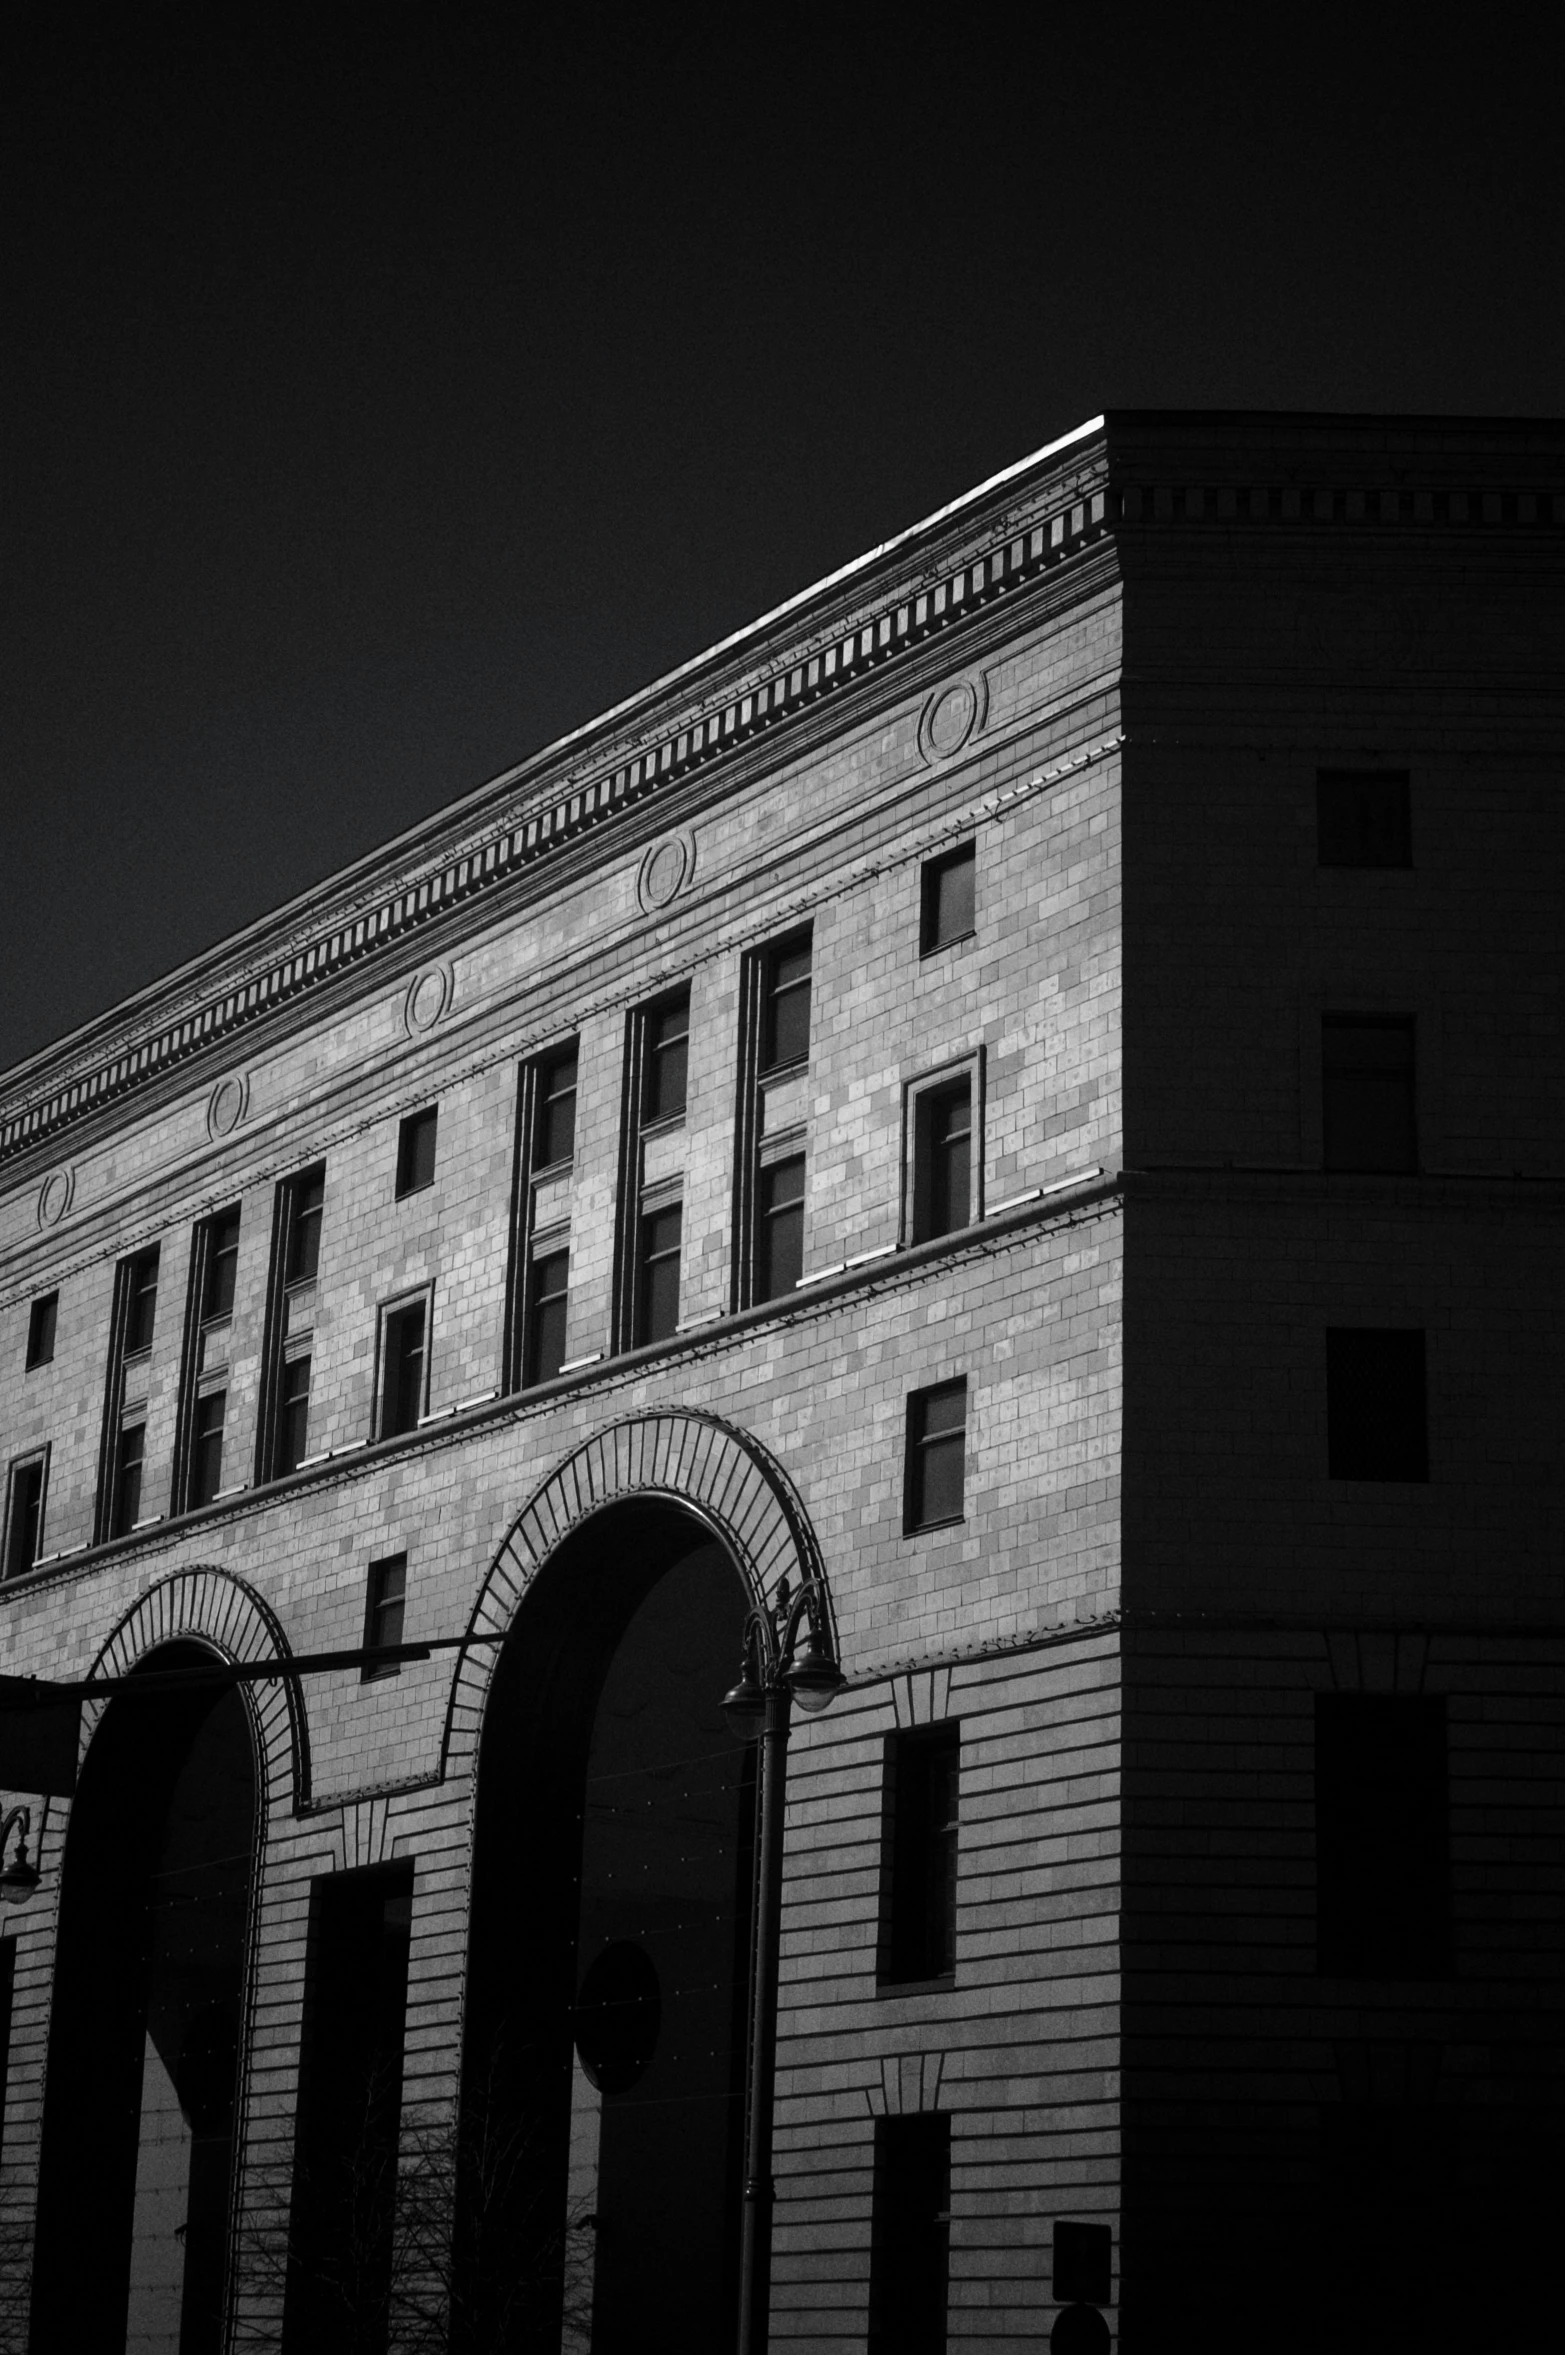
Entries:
{"x":665,"y":871}
{"x":54,"y":1196}
{"x":950,"y":716}
{"x":227,"y":1105}
{"x":429,"y":997}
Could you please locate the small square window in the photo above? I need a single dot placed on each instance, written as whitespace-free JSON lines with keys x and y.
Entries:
{"x":779,"y":1229}
{"x":554,"y":1139}
{"x":546,"y":1315}
{"x":293,"y":1420}
{"x":1367,"y":1092}
{"x":936,"y":1452}
{"x":220,"y":1266}
{"x":1364,"y":818}
{"x":657,"y":1285}
{"x":1382,"y":1836}
{"x":1376,"y":1405}
{"x":942,"y":1159}
{"x":785,"y":1020}
{"x":306,"y":1202}
{"x":129,"y":1463}
{"x":403,"y":1369}
{"x":666,"y":1048}
{"x":919,"y":1859}
{"x":42,"y":1320}
{"x":947,"y":912}
{"x":416,"y":1152}
{"x":206,"y":1448}
{"x":24,"y":1516}
{"x":384,"y":1608}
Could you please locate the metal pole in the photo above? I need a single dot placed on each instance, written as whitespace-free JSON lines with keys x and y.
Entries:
{"x":755,"y":2249}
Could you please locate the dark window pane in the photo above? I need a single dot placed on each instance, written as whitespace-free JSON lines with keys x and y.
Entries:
{"x":556,"y":1135}
{"x":1367,"y":1099}
{"x":293,"y":1434}
{"x":948,"y":899}
{"x":1382,"y":1839}
{"x":304,"y":1226}
{"x":141,"y":1306}
{"x":385,"y":1606}
{"x":910,"y":2235}
{"x":222,"y":1261}
{"x":780,"y":1229}
{"x":937,"y":1440}
{"x":206,"y":1467}
{"x":41,"y":1323}
{"x":786,"y":1030}
{"x":546,"y":1341}
{"x":24,"y":1525}
{"x":667,"y":1042}
{"x":659,"y":1275}
{"x":127,"y":1479}
{"x":1083,"y":2264}
{"x":943,"y":1167}
{"x":1364,"y":818}
{"x":922,"y":1859}
{"x":416,"y":1152}
{"x":402,"y":1393}
{"x":1376,"y":1412}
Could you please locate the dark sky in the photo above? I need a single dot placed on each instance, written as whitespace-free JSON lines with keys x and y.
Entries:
{"x":381,"y":401}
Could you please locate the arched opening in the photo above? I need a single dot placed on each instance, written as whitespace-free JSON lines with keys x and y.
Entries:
{"x":136,"y":2172}
{"x":603,"y":2069}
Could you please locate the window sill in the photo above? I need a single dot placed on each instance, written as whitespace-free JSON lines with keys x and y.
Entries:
{"x":928,"y":1528}
{"x":944,"y":1983}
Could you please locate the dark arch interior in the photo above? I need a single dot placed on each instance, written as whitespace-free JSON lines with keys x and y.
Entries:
{"x":135,"y":2181}
{"x":613,"y":1856}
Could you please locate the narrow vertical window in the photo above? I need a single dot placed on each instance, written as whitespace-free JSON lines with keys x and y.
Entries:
{"x":910,"y":2235}
{"x":1376,"y":1405}
{"x":554,"y":1133}
{"x":416,"y":1152}
{"x":206,"y":1459}
{"x":42,"y":1319}
{"x":141,"y":1302}
{"x":221,"y":1262}
{"x":203,"y":1399}
{"x":936,"y":1456}
{"x":657,"y":1275}
{"x":1382,"y":1836}
{"x":785,"y":1018}
{"x":947,"y":911}
{"x":1367,"y":1099}
{"x":403,"y":1368}
{"x":941,"y":1130}
{"x":122,"y":1449}
{"x":919,"y":1854}
{"x":282,"y":1440}
{"x":130,"y":1457}
{"x":306,"y":1207}
{"x":293,"y":1424}
{"x":546,"y":1319}
{"x":666,"y":1054}
{"x":384,"y":1608}
{"x":1364,"y":818}
{"x":779,"y":1228}
{"x":24,"y":1516}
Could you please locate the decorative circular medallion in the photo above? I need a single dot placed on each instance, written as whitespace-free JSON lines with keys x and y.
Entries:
{"x":429,"y":995}
{"x":227,"y":1104}
{"x":950,"y":716}
{"x":54,"y":1196}
{"x":666,"y":869}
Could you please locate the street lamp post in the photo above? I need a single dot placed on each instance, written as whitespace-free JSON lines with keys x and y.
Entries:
{"x":788,"y":1656}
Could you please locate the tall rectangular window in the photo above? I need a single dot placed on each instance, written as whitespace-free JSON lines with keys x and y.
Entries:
{"x":785,"y":1014}
{"x":537,"y":1306}
{"x":1367,"y":1099}
{"x":554,"y":1114}
{"x":203,"y":1396}
{"x":42,"y":1320}
{"x":403,"y":1369}
{"x":1376,"y":1405}
{"x":779,"y":1228}
{"x":282,"y":1431}
{"x":129,"y":1462}
{"x":1364,"y":818}
{"x":1382,"y":1836}
{"x":665,"y":1060}
{"x":936,"y":1456}
{"x":941,"y":1135}
{"x":546,"y":1315}
{"x":416,"y":1152}
{"x":206,"y":1454}
{"x":385,"y":1605}
{"x":339,"y":2283}
{"x":657,"y":1273}
{"x":220,"y":1266}
{"x":122,"y":1449}
{"x":141,"y":1301}
{"x":948,"y":911}
{"x":24,"y":1514}
{"x":919,"y":1853}
{"x":910,"y":2235}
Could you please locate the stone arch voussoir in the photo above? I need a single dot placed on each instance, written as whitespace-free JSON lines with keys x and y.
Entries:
{"x":211,"y":1607}
{"x":693,"y":1459}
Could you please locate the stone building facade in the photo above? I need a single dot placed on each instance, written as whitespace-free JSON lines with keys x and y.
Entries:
{"x":1027,"y":1085}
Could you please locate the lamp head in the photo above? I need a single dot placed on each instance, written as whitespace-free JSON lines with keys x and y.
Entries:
{"x":812,"y":1674}
{"x":20,"y":1878}
{"x":744,"y":1706}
